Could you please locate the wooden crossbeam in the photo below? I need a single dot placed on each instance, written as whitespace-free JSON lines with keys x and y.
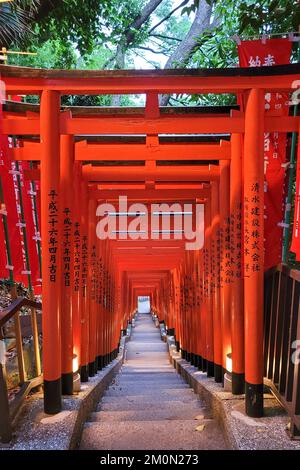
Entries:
{"x":163,"y":125}
{"x":84,"y":151}
{"x":22,"y":80}
{"x":151,"y":195}
{"x":143,"y":173}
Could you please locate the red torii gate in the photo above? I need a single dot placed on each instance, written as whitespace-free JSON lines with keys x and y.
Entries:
{"x":213,"y":298}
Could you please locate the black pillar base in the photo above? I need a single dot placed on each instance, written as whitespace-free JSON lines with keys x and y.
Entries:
{"x":183,"y":354}
{"x":254,"y":400}
{"x":67,"y":383}
{"x":238,"y":383}
{"x":52,"y":396}
{"x":193,"y":359}
{"x":294,"y":431}
{"x":199,"y":365}
{"x":223,"y":375}
{"x":210,"y":369}
{"x":204,"y":365}
{"x":84,"y":373}
{"x":124,"y":332}
{"x":218,"y":373}
{"x":99,"y":363}
{"x":92,"y":370}
{"x":177,"y":346}
{"x":188,"y":356}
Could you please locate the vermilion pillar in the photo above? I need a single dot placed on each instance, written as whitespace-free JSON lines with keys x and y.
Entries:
{"x":209,"y":350}
{"x":254,"y":250}
{"x":225,"y":265}
{"x":76,"y":274}
{"x":100,"y":309}
{"x":51,"y":269}
{"x":237,"y":287}
{"x":215,"y":288}
{"x":84,"y":351}
{"x":91,"y":287}
{"x":67,"y":200}
{"x":197,"y":309}
{"x":203,"y":315}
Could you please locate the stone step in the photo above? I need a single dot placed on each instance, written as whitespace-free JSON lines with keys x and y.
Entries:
{"x":153,"y":391}
{"x":144,"y":374}
{"x":148,"y":347}
{"x":137,"y":404}
{"x":168,"y":413}
{"x":148,"y":405}
{"x":147,"y":381}
{"x":148,"y":435}
{"x":152,"y":397}
{"x":148,"y":386}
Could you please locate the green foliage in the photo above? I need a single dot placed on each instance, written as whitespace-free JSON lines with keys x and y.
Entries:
{"x":76,"y":21}
{"x":85,"y":34}
{"x":269,"y":15}
{"x":15,"y":19}
{"x":53,"y":53}
{"x":89,"y":23}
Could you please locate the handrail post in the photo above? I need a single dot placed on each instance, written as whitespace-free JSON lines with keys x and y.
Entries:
{"x":35,"y":335}
{"x":5,"y":422}
{"x":295,"y":431}
{"x":19,"y":341}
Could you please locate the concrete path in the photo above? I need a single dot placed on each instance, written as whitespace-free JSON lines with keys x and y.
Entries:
{"x":148,"y":405}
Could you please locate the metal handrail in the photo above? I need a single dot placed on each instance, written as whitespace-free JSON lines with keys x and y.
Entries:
{"x":282,"y":332}
{"x":9,"y":411}
{"x":8,"y":312}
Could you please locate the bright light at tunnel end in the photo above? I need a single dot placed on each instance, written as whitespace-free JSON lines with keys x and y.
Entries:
{"x":156,"y":221}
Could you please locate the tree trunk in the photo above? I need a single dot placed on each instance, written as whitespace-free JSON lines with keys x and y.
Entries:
{"x":186,"y":48}
{"x":128,"y":37}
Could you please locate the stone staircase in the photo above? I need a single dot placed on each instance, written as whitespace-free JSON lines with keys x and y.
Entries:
{"x":148,"y":405}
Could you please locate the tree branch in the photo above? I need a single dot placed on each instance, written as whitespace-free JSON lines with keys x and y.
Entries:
{"x":129,"y":35}
{"x":162,"y":36}
{"x":189,"y":44}
{"x":150,"y":50}
{"x":145,"y":14}
{"x":169,"y":15}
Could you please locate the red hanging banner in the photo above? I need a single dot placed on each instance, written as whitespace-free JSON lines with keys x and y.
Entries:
{"x":295,"y":248}
{"x":266,"y":53}
{"x":8,"y":175}
{"x":29,"y":216}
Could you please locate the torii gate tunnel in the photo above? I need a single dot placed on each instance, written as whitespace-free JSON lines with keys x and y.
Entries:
{"x":210,"y":297}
